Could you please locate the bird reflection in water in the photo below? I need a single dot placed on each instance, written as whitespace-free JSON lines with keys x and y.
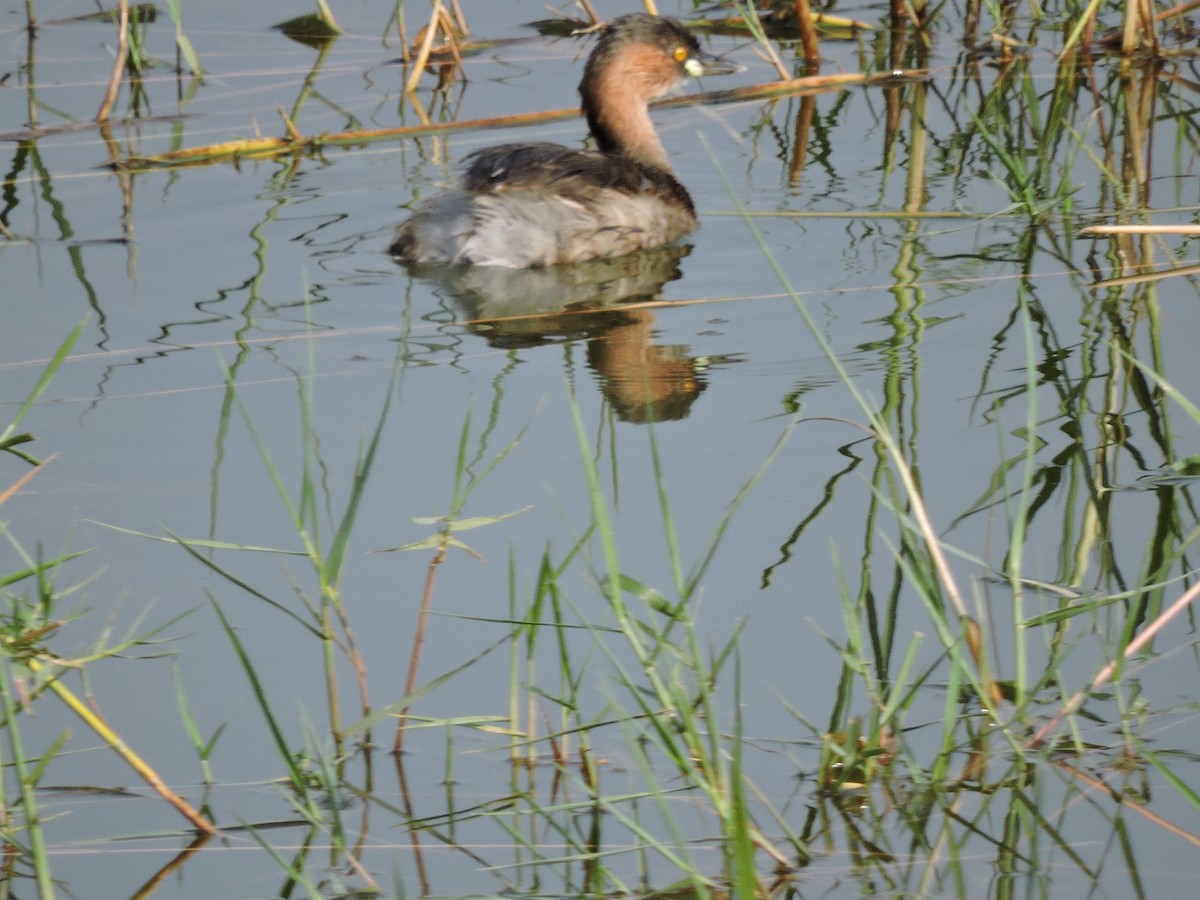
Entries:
{"x":599,"y":302}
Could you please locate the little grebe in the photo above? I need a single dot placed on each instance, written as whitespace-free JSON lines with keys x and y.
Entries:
{"x":541,"y":204}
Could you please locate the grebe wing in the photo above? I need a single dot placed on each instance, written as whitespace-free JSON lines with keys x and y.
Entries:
{"x":548,"y":167}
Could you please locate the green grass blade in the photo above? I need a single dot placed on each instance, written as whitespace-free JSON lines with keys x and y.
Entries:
{"x":295,"y":775}
{"x":43,"y":382}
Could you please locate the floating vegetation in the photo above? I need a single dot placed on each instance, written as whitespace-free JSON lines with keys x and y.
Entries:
{"x":312,"y":30}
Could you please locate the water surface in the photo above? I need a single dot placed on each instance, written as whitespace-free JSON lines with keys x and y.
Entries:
{"x":217,"y":294}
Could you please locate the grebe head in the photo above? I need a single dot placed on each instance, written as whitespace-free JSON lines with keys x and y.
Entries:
{"x":639,"y":58}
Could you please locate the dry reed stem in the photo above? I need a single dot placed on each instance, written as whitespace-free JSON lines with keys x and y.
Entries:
{"x":1177,"y":10}
{"x":1146,"y":277}
{"x":24,"y":479}
{"x":1141,"y":229}
{"x":808,"y":35}
{"x":1128,"y":803}
{"x":414,"y":658}
{"x":765,"y":48}
{"x":1107,"y":672}
{"x":933,"y":543}
{"x":1138,"y":32}
{"x":110,"y":737}
{"x":459,"y":18}
{"x":422,"y":59}
{"x":263,"y":148}
{"x":402,"y":31}
{"x":114,"y":81}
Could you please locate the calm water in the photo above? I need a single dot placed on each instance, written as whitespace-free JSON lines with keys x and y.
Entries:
{"x":275,"y":272}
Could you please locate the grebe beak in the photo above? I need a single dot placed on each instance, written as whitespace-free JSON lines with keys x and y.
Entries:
{"x":704,"y":64}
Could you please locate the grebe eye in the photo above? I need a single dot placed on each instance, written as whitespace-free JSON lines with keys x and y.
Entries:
{"x":680,"y":54}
